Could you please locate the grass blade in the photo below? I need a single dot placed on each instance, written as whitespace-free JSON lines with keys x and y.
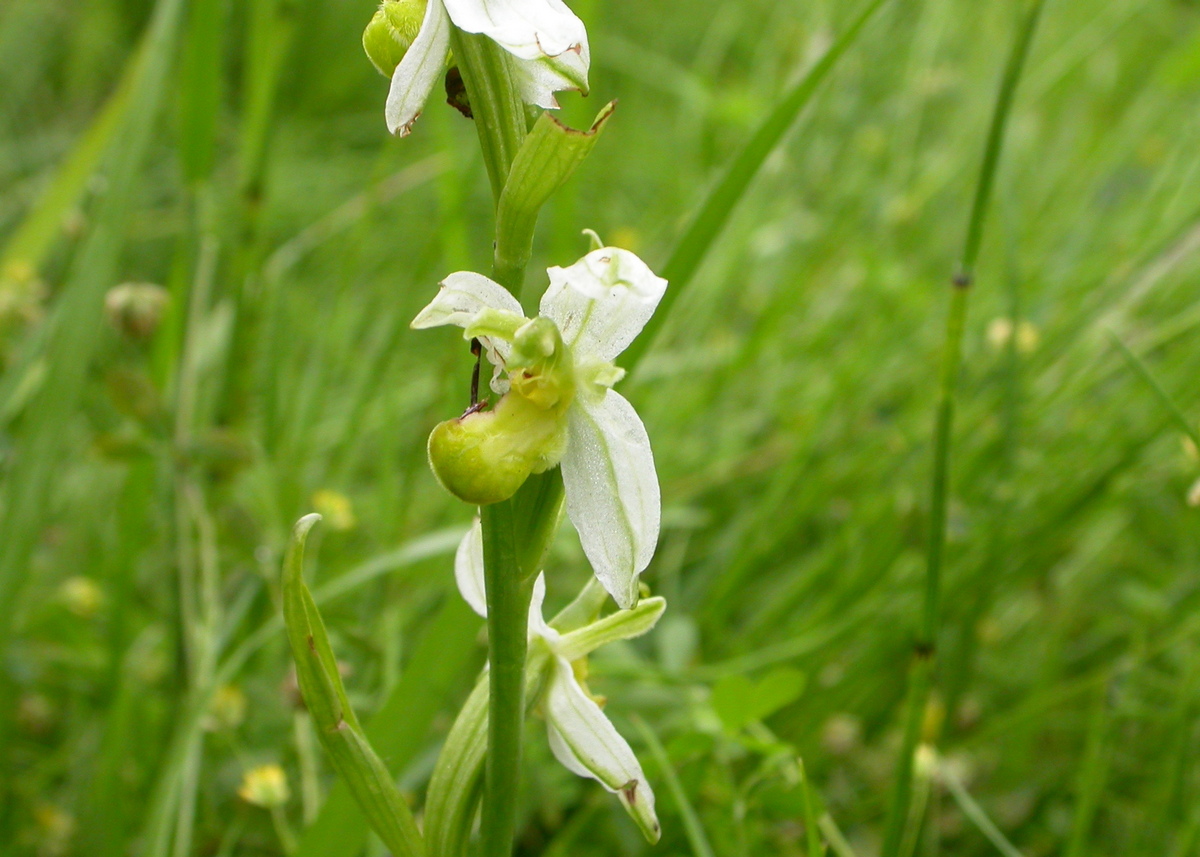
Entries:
{"x":1139,"y":367}
{"x":75,"y":333}
{"x":28,"y":246}
{"x":975,"y":812}
{"x":1089,"y":785}
{"x":723,"y":199}
{"x":692,"y":827}
{"x":201,"y":88}
{"x":812,"y":832}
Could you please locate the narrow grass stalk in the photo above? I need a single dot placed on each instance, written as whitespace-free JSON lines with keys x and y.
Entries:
{"x":269,"y":35}
{"x":833,"y":834}
{"x":812,"y":831}
{"x":692,"y":828}
{"x":1139,"y":367}
{"x":972,"y":810}
{"x":1092,"y":776}
{"x":925,"y":647}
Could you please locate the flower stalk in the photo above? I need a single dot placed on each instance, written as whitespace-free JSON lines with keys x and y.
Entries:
{"x":500,"y":121}
{"x":504,"y":455}
{"x":498,"y":110}
{"x":508,"y":595}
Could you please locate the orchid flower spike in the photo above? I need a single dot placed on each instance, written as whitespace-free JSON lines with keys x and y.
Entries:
{"x":581,"y":737}
{"x":555,"y":374}
{"x":545,"y":46}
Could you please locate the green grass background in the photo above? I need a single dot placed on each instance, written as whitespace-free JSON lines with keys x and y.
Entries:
{"x":243,"y":164}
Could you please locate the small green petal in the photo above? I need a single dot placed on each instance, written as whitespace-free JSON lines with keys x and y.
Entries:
{"x":622,"y":625}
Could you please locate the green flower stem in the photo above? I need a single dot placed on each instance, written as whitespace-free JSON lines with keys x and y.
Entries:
{"x":516,"y":531}
{"x":921,"y":675}
{"x":508,"y":595}
{"x":499,"y":113}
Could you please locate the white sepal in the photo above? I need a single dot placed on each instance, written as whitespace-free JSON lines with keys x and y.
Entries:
{"x":537,"y":80}
{"x":602,"y":302}
{"x":468,"y":569}
{"x":612,"y":491}
{"x":419,"y":70}
{"x":586,"y":743}
{"x":462,"y":296}
{"x":527,"y":29}
{"x":537,"y":623}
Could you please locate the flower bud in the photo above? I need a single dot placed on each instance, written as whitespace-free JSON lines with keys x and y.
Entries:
{"x":391,"y":33}
{"x":336,"y":509}
{"x":265,"y":786}
{"x":485,"y":456}
{"x":81,"y":596}
{"x":136,"y":309}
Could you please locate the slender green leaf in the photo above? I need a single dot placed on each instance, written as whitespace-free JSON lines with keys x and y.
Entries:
{"x":321,"y":686}
{"x":201,"y":87}
{"x":692,"y":826}
{"x":400,"y":725}
{"x":457,"y":782}
{"x":714,"y":212}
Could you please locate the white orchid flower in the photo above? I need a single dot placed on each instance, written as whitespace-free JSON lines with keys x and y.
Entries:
{"x":581,"y":737}
{"x":555,"y":374}
{"x":545,"y":43}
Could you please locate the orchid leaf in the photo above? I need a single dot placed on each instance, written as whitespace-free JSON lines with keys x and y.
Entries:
{"x":338,"y":728}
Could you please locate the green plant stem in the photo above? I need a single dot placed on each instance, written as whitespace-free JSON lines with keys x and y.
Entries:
{"x":921,"y":674}
{"x":499,"y":113}
{"x":508,"y":595}
{"x":500,"y":121}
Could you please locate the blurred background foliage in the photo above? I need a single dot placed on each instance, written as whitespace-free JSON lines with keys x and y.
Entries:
{"x":157,"y":442}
